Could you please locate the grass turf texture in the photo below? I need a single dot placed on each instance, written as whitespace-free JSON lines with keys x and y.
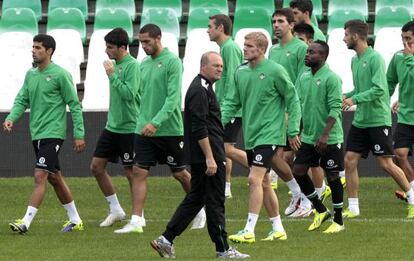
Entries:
{"x":381,"y":232}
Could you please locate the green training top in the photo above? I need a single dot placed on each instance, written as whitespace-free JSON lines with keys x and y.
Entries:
{"x":321,"y":97}
{"x":318,"y":35}
{"x":46,"y":93}
{"x":371,"y":91}
{"x":262,"y":93}
{"x":161,"y":94}
{"x":401,"y":70}
{"x":291,"y":56}
{"x":124,"y":96}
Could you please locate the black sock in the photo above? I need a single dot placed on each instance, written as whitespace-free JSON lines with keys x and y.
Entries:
{"x":307,"y":187}
{"x":337,"y":199}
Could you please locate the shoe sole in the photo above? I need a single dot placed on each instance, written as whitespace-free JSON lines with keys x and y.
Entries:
{"x":400,"y":195}
{"x":323,"y":220}
{"x":242,"y":242}
{"x":155,"y":246}
{"x":110,"y":225}
{"x":16,"y":228}
{"x":334,"y":232}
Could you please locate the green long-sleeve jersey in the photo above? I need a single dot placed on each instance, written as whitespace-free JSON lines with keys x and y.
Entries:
{"x":46,"y":93}
{"x":321,"y":97}
{"x":318,"y":35}
{"x":291,"y":56}
{"x":124,"y":86}
{"x":371,"y":90}
{"x":161,"y":94}
{"x":263,"y":93}
{"x":401,"y":70}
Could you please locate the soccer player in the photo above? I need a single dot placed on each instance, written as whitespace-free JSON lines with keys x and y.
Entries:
{"x":117,"y":139}
{"x":159,"y":130}
{"x":400,"y":71}
{"x":320,"y":93}
{"x":203,"y":134}
{"x":304,"y":32}
{"x":46,"y":91}
{"x":262,"y":87}
{"x":371,"y":126}
{"x":219,"y":30}
{"x":302,"y":10}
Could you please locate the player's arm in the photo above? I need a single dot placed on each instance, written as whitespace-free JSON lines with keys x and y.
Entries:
{"x":233,"y":61}
{"x":128,"y":88}
{"x":21,"y":103}
{"x":232,"y":104}
{"x":392,"y":76}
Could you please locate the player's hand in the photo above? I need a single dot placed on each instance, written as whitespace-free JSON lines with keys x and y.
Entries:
{"x":7,"y":125}
{"x":294,"y":142}
{"x":408,"y":48}
{"x":149,"y":130}
{"x":321,"y":144}
{"x":109,"y":67}
{"x":394,"y":107}
{"x":211,"y":167}
{"x":347,"y":103}
{"x":79,"y":145}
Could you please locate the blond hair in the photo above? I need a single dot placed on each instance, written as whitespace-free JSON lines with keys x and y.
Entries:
{"x":259,"y":38}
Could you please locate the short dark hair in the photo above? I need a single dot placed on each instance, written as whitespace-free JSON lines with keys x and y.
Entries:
{"x":118,"y":37}
{"x":304,"y":28}
{"x":358,"y":27}
{"x":221,"y":19}
{"x":153,"y":30}
{"x":286,"y":12}
{"x":408,"y":27}
{"x":46,"y":40}
{"x":302,"y":5}
{"x":325,"y":47}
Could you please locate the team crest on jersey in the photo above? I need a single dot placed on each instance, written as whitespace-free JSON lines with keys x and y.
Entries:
{"x":181,"y":144}
{"x":318,"y":82}
{"x":48,"y":78}
{"x":262,"y":76}
{"x":120,"y":69}
{"x":364,"y":64}
{"x":159,"y":65}
{"x":385,"y":132}
{"x":288,"y":53}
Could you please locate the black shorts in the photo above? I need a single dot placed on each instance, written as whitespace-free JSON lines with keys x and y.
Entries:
{"x":375,"y":139}
{"x":113,"y":146}
{"x":261,"y":156}
{"x":332,"y":160}
{"x":404,"y":137}
{"x":47,"y":152}
{"x":232,"y":130}
{"x":163,"y":150}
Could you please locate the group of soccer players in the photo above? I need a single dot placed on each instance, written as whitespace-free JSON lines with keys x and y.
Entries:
{"x":289,"y":106}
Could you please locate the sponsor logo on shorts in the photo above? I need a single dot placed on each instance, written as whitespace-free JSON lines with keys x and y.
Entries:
{"x":378,"y":149}
{"x":181,"y":144}
{"x":126,"y":156}
{"x":273,"y":147}
{"x":41,"y":162}
{"x":385,"y":132}
{"x":170,"y":159}
{"x":258,"y":159}
{"x":330,"y":163}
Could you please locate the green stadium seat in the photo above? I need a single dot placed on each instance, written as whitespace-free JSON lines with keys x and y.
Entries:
{"x":391,"y":17}
{"x":317,"y":8}
{"x":221,"y":5}
{"x":252,"y":18}
{"x":67,"y":18}
{"x":409,"y":4}
{"x":82,"y":5}
{"x":268,"y":5}
{"x":18,"y":20}
{"x":35,"y":5}
{"x":112,"y":18}
{"x":340,"y":17}
{"x":175,"y":5}
{"x":165,"y":18}
{"x":127,"y":5}
{"x":357,"y":5}
{"x":199,"y":18}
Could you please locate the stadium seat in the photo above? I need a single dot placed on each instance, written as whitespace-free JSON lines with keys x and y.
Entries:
{"x":165,"y":18}
{"x":112,"y":18}
{"x":267,"y":5}
{"x":317,"y":8}
{"x":18,"y":20}
{"x":199,"y":18}
{"x":168,"y":40}
{"x":340,"y":17}
{"x":220,"y":5}
{"x":96,"y":94}
{"x":127,"y":5}
{"x":252,"y":18}
{"x":198,"y":42}
{"x":82,"y":5}
{"x":357,"y":5}
{"x":67,"y":18}
{"x":340,"y":58}
{"x":239,"y":38}
{"x":409,"y":4}
{"x":387,"y":43}
{"x":175,"y":5}
{"x":35,"y":5}
{"x":391,"y":17}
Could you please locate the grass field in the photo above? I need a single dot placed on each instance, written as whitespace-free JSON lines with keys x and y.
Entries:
{"x":381,"y":233}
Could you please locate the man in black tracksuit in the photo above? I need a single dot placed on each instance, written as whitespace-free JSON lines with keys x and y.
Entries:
{"x":203,"y":136}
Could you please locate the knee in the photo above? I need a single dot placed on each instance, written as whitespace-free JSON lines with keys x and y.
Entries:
{"x":53,"y":179}
{"x":40,"y":179}
{"x":182,"y":176}
{"x":350,"y":161}
{"x":400,"y":155}
{"x":254,"y":181}
{"x":96,"y":169}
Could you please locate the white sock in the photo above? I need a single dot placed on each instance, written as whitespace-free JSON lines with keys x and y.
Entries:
{"x":294,"y":187}
{"x":30,"y":214}
{"x":353,"y":205}
{"x":321,"y":189}
{"x":410,"y":196}
{"x":165,"y":240}
{"x":251,"y":222}
{"x":276,"y":224}
{"x":114,"y":205}
{"x":137,"y":220}
{"x":72,"y":212}
{"x":228,"y":188}
{"x":412,"y":184}
{"x":342,"y":174}
{"x":273,"y":176}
